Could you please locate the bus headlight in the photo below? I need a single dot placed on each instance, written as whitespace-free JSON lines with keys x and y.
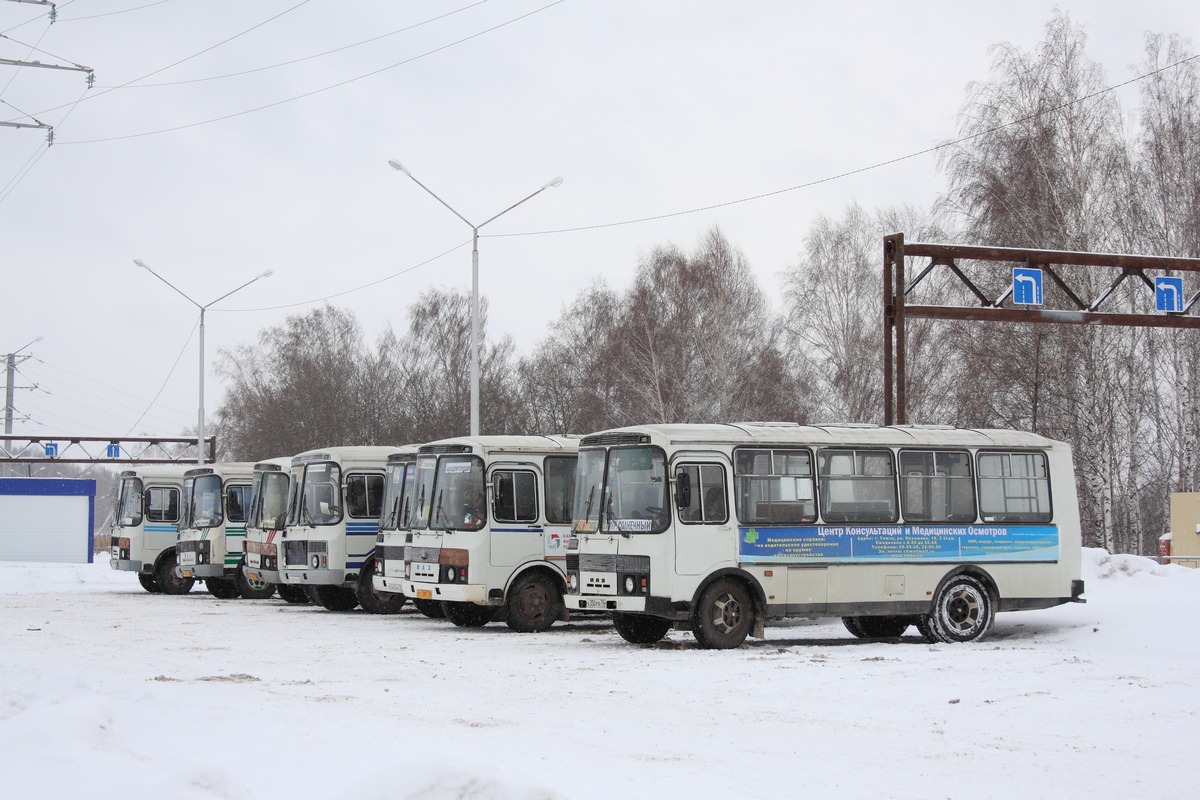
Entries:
{"x":316,"y":561}
{"x":573,"y":582}
{"x":630,"y":584}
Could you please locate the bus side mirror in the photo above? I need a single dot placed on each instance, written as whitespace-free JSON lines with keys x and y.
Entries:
{"x":683,"y":490}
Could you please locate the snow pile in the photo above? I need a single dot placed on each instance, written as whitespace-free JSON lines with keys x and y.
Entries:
{"x":110,"y":692}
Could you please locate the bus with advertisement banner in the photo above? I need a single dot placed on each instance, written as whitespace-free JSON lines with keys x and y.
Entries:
{"x":481,"y":528}
{"x":718,"y":528}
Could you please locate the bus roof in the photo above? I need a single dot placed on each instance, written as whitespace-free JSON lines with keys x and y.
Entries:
{"x":225,"y":469}
{"x":158,"y":471}
{"x":273,"y":464}
{"x":367,"y":455}
{"x":766,"y":433}
{"x":562,"y":442}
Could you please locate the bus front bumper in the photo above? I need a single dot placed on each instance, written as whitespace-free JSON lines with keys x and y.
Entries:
{"x":313,"y":577}
{"x":125,"y":565}
{"x":451,"y":592}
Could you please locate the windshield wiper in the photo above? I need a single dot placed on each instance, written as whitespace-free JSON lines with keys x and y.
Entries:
{"x":439,"y":513}
{"x":613,"y":520}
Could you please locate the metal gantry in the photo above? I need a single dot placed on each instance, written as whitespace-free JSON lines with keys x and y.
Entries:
{"x":1002,"y":307}
{"x":102,"y":449}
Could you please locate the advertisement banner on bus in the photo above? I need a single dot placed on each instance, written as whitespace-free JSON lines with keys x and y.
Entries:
{"x":859,"y":543}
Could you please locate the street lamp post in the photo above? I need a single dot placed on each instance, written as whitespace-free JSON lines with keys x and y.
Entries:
{"x":203,"y":308}
{"x":396,"y":165}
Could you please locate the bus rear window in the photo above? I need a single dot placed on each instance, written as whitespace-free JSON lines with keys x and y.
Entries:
{"x":1014,"y":487}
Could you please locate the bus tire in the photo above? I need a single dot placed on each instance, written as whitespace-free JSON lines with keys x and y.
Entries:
{"x":724,"y":616}
{"x":290,"y":593}
{"x":222,"y":588}
{"x":430,"y":608}
{"x":962,"y":610}
{"x":468,"y":615}
{"x":149,"y":583}
{"x":534,"y":603}
{"x":852,"y":625}
{"x":164,"y":575}
{"x":252,"y":590}
{"x":374,"y":601}
{"x":640,"y":628}
{"x":883,"y":627}
{"x":925,"y":626}
{"x":335,"y":598}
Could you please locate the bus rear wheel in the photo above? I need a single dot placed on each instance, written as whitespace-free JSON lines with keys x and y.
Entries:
{"x":468,"y":615}
{"x":430,"y":608}
{"x":724,"y":615}
{"x":639,"y":628}
{"x":335,"y":598}
{"x":375,"y":601}
{"x":222,"y":588}
{"x":876,"y":627}
{"x":252,"y":590}
{"x":534,"y":603}
{"x":168,"y":582}
{"x":962,"y":610}
{"x":290,"y":593}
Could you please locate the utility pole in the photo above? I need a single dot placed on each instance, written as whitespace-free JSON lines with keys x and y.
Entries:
{"x":10,"y":363}
{"x":91,"y":73}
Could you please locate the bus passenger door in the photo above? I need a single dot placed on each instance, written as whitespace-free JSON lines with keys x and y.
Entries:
{"x":515,"y":528}
{"x":705,"y":532}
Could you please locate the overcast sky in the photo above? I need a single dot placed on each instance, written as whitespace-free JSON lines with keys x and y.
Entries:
{"x":225,"y":138}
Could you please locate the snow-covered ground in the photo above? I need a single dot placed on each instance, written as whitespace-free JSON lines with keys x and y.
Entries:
{"x":109,"y":692}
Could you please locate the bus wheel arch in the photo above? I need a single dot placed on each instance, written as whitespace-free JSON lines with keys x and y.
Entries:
{"x":726,"y":609}
{"x":534,"y":600}
{"x":964,"y":606}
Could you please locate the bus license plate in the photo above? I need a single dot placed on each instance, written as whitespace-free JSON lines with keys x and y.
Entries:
{"x":424,"y":594}
{"x":595,"y":602}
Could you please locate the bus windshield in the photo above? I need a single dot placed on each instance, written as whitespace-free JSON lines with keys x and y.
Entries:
{"x":129,"y":504}
{"x":269,"y":506}
{"x":321,"y":494}
{"x":204,"y":507}
{"x":630,"y":496}
{"x":459,"y":494}
{"x":418,"y":494}
{"x":589,"y":487}
{"x":393,"y":496}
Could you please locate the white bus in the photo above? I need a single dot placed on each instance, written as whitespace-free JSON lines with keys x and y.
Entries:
{"x":718,"y":528}
{"x":333,"y":520}
{"x":265,"y":527}
{"x":146,"y":527}
{"x":212,"y":535}
{"x":484,"y":524}
{"x":394,"y":533}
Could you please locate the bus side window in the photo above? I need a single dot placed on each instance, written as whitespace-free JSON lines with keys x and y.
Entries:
{"x":706,"y":503}
{"x":514,"y":496}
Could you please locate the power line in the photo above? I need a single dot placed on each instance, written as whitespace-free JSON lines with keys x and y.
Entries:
{"x":330,"y":87}
{"x":309,"y":57}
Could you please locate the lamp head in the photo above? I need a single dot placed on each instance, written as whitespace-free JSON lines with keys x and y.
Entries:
{"x":553,"y":183}
{"x":396,"y":165}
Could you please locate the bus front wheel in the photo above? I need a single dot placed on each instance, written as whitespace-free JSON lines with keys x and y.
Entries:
{"x":962,"y":610}
{"x":468,"y":615}
{"x":252,"y":589}
{"x":372,"y":600}
{"x":724,"y":615}
{"x":534,"y":603}
{"x":222,"y":588}
{"x":639,"y":628}
{"x":335,"y":598}
{"x":149,"y":583}
{"x":291,"y":593}
{"x":168,"y":582}
{"x":430,"y":608}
